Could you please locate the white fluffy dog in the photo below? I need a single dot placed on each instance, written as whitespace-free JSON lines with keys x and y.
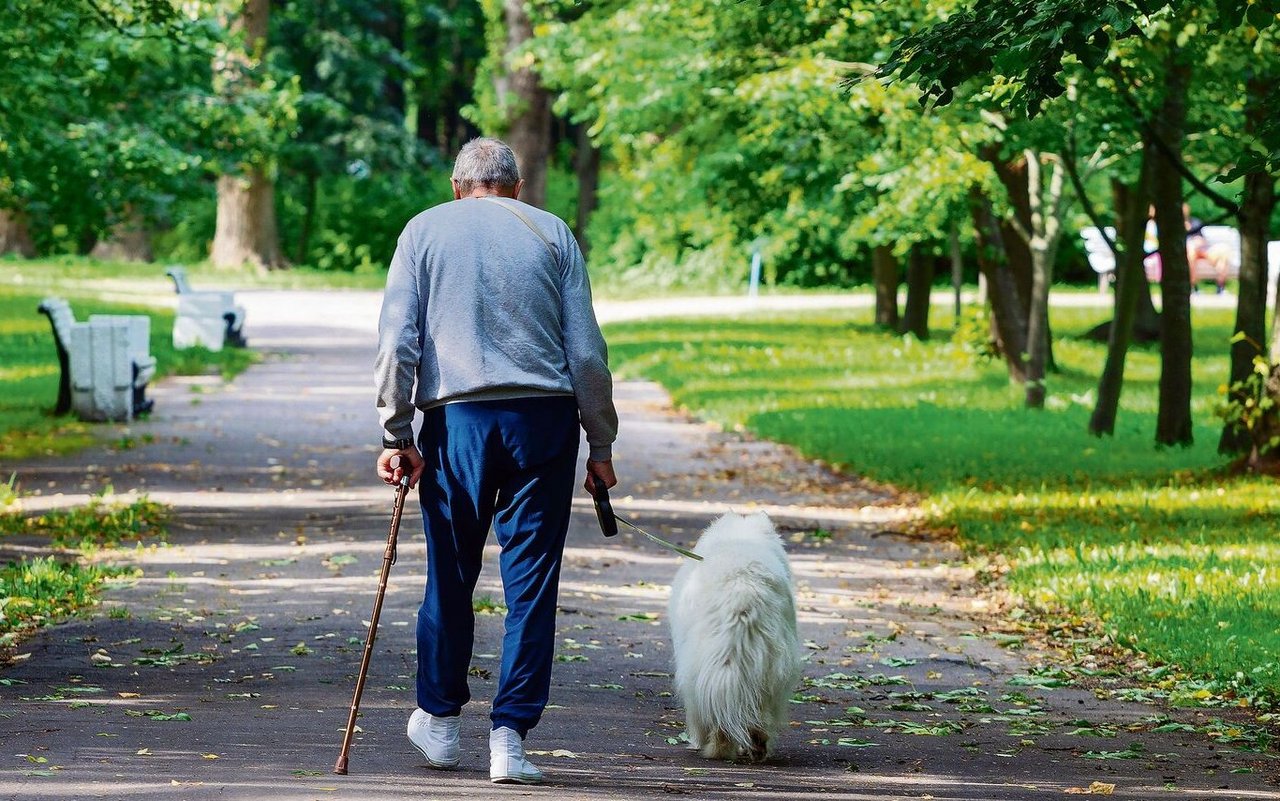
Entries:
{"x":733,"y":625}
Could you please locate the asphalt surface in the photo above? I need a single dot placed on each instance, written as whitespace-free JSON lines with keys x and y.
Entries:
{"x":250,"y":622}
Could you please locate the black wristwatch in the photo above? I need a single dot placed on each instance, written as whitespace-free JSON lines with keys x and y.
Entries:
{"x":397,"y":444}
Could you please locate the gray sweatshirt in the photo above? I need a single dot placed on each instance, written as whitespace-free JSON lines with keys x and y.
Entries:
{"x":478,"y":307}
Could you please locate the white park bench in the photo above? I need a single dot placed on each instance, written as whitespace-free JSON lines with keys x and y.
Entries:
{"x":208,"y":318}
{"x":1101,"y":258}
{"x":106,"y":363}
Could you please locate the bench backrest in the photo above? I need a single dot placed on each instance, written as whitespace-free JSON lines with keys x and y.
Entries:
{"x":180,"y":283}
{"x":139,"y":326}
{"x":1101,"y":258}
{"x":60,"y":317}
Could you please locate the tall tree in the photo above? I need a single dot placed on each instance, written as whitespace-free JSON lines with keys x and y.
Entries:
{"x":915,"y":317}
{"x":1131,"y":285}
{"x":884,"y":267}
{"x":524,"y":104}
{"x":246,"y":230}
{"x":1027,"y":44}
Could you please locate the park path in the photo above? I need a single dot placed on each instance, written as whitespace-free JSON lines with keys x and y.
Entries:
{"x":249,"y":622}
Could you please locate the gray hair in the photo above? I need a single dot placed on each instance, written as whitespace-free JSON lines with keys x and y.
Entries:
{"x":485,"y":162}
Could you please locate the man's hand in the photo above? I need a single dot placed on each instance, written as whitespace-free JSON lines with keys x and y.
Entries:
{"x":603,"y":470}
{"x":410,"y":456}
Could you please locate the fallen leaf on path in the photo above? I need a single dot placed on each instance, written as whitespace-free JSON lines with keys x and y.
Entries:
{"x":559,"y":752}
{"x":1095,"y":788}
{"x":143,"y":752}
{"x":129,"y":695}
{"x":210,"y":756}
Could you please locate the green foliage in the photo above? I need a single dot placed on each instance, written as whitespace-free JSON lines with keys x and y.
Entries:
{"x":102,"y":111}
{"x":1153,"y":543}
{"x":1250,"y":407}
{"x":355,"y":222}
{"x":728,"y":132}
{"x":44,"y":590}
{"x":1026,"y":53}
{"x":105,"y":522}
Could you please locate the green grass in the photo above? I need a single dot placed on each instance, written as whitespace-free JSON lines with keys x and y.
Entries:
{"x":43,"y":590}
{"x":1174,"y":557}
{"x":29,"y":369}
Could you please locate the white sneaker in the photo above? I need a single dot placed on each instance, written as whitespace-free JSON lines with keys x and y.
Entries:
{"x":507,"y":764}
{"x":437,"y":738}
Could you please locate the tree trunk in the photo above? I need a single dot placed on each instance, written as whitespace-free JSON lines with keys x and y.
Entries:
{"x":1041,"y":238}
{"x":1008,"y":320}
{"x":129,"y":240}
{"x":1146,"y":323}
{"x":586,"y":163}
{"x":1173,"y":420}
{"x":1256,"y":205}
{"x":308,"y":220}
{"x":246,"y":226}
{"x":245,"y":231}
{"x":884,"y":272}
{"x":15,"y":234}
{"x":1131,"y":283}
{"x":1038,"y":329}
{"x":1016,"y":180}
{"x":957,"y":269}
{"x":915,"y":317}
{"x":527,"y":108}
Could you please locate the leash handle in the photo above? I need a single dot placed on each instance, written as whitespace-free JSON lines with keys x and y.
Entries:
{"x":604,"y":509}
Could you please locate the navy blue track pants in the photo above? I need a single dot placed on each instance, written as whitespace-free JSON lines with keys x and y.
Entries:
{"x":509,"y":464}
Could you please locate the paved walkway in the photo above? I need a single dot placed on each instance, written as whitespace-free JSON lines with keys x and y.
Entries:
{"x":250,"y":623}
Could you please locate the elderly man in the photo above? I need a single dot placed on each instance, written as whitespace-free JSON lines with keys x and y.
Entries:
{"x":488,"y":311}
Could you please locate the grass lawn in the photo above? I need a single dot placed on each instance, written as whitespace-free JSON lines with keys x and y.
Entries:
{"x":1175,"y":559}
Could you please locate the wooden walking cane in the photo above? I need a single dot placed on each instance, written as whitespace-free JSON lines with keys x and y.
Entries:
{"x":388,"y":559}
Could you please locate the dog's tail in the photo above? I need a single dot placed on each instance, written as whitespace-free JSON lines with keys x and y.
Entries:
{"x":752,"y":658}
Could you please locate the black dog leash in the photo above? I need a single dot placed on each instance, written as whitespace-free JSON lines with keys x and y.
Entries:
{"x":609,"y":520}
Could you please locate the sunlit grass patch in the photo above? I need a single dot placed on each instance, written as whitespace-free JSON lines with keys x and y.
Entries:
{"x":44,"y":590}
{"x":38,"y":591}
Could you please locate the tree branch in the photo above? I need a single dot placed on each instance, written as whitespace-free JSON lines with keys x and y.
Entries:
{"x":1221,"y":201}
{"x":1077,"y":183}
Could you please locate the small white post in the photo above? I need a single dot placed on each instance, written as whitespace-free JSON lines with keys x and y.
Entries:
{"x":753,"y":289}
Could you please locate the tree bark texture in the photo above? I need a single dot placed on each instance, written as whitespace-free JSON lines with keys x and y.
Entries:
{"x":586,"y":163}
{"x":246,"y":227}
{"x":1173,"y":420}
{"x":1040,"y":235}
{"x":1146,"y":323}
{"x":527,"y":107}
{"x":915,"y":316}
{"x":1013,"y":175}
{"x":15,"y":234}
{"x":1009,"y":321}
{"x":246,"y":231}
{"x":884,"y":272}
{"x":1131,"y":283}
